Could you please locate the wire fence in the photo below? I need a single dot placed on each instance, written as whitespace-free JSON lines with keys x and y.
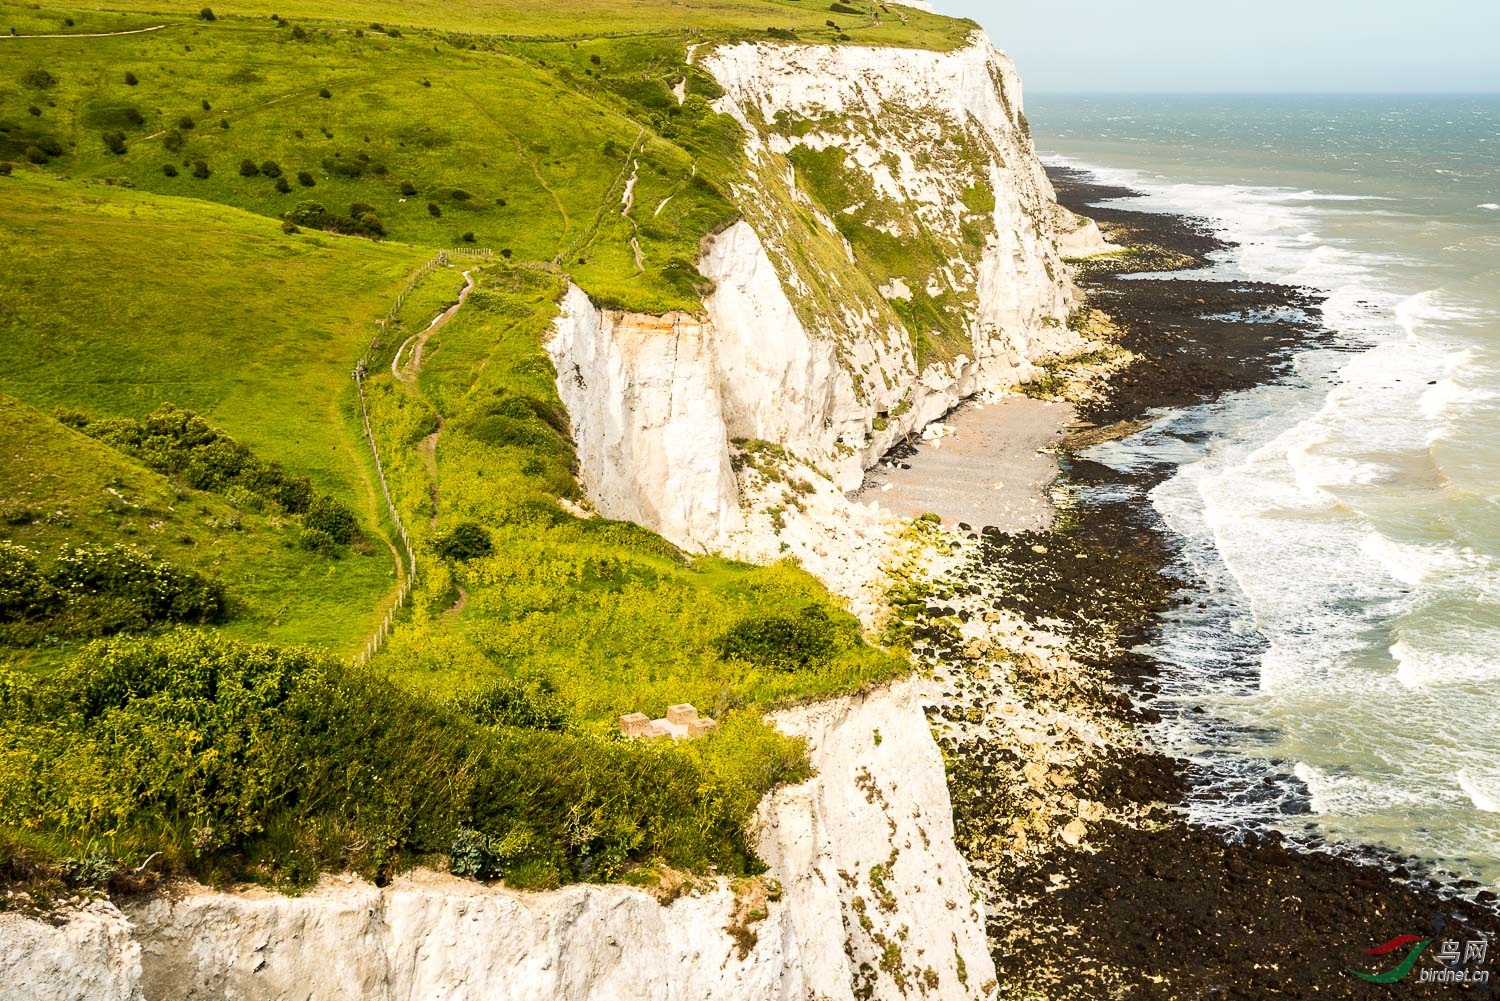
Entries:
{"x":409,"y":577}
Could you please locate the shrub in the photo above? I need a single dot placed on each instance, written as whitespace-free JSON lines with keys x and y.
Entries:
{"x":510,"y":703}
{"x":434,"y":210}
{"x":299,"y":33}
{"x":305,"y":179}
{"x":786,"y":642}
{"x":325,"y":93}
{"x":467,"y":237}
{"x":134,"y":116}
{"x":38,"y":79}
{"x":136,"y":589}
{"x":200,"y":169}
{"x":5,"y":168}
{"x":408,"y":189}
{"x":333,"y":517}
{"x":283,"y":186}
{"x":24,"y":592}
{"x":36,"y":155}
{"x":206,"y":14}
{"x":459,"y":195}
{"x":182,"y":444}
{"x":114,"y":142}
{"x":287,"y":226}
{"x":205,"y":105}
{"x":169,"y":169}
{"x":843,"y":8}
{"x":466,"y":541}
{"x":271,"y":168}
{"x":34,"y":111}
{"x":358,"y":209}
{"x":186,"y":123}
{"x":782,"y":34}
{"x":131,"y":79}
{"x":249,"y":169}
{"x":320,"y":542}
{"x":172,"y":140}
{"x":371,"y":224}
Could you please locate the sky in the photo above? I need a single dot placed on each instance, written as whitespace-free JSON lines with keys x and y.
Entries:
{"x":1235,"y":46}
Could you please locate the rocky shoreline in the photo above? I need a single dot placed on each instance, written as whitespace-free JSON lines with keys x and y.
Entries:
{"x":1095,"y":884}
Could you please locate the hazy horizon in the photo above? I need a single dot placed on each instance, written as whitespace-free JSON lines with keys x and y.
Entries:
{"x":1238,"y":47}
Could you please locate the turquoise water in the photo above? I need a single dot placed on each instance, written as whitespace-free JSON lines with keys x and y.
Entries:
{"x":1346,"y":522}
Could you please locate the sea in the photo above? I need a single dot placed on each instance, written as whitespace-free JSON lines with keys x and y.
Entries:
{"x":1337,"y":672}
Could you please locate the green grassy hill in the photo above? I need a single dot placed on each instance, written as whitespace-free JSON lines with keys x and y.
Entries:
{"x":214,"y":215}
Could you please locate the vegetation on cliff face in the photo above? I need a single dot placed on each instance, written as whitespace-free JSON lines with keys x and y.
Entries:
{"x":203,"y":223}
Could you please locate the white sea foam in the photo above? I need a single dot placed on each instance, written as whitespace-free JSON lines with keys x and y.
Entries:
{"x":1490,"y":207}
{"x":1349,"y":795}
{"x":1462,"y":660}
{"x":1482,"y":788}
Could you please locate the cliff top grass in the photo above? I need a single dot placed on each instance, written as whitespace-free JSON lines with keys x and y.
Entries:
{"x":877,"y":23}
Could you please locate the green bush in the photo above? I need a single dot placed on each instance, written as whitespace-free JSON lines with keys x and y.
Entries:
{"x":200,"y":169}
{"x":333,"y":517}
{"x":38,"y":79}
{"x":36,"y":155}
{"x":172,"y":141}
{"x":169,"y":169}
{"x":283,"y":186}
{"x":315,"y":216}
{"x":186,"y":123}
{"x":137,"y":589}
{"x":315,"y":540}
{"x":305,"y":179}
{"x":249,"y":169}
{"x":408,"y":189}
{"x":114,"y":142}
{"x":509,"y":703}
{"x":179,"y":443}
{"x":785,"y":642}
{"x":131,"y":79}
{"x":466,"y":541}
{"x":271,"y":168}
{"x":207,"y":14}
{"x":238,"y":761}
{"x":25,"y":592}
{"x":434,"y":210}
{"x":6,"y":168}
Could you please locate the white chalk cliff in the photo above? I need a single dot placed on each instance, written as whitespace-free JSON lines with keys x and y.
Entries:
{"x":873,"y":896}
{"x":800,"y":343}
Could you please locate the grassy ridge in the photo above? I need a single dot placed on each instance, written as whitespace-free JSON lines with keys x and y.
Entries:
{"x":892,"y":25}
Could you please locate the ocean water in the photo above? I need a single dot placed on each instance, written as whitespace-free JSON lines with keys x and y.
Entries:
{"x":1345,"y":521}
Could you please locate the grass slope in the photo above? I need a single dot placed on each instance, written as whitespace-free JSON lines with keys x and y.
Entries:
{"x":61,"y":488}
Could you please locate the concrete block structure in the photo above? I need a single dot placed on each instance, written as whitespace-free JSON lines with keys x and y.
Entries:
{"x":682,"y":722}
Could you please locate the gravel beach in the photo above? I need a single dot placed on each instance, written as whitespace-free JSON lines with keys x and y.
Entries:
{"x":995,"y":468}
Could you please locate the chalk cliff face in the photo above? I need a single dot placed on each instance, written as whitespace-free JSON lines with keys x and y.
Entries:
{"x":899,"y":251}
{"x":873,"y":895}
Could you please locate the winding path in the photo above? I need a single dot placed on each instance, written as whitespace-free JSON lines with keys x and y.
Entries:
{"x":413,"y":367}
{"x":94,"y":34}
